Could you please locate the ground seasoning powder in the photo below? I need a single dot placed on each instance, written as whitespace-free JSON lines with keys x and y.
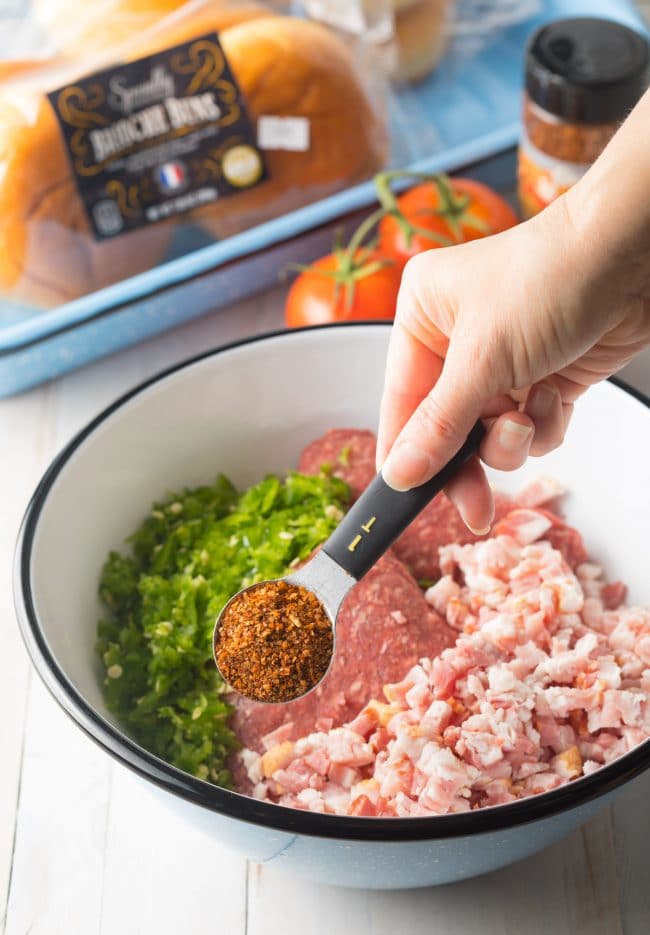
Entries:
{"x":274,"y":642}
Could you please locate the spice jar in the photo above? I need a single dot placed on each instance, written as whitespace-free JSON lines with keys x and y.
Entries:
{"x":583,"y":76}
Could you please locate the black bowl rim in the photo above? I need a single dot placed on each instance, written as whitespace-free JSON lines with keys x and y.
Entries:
{"x":235,"y":805}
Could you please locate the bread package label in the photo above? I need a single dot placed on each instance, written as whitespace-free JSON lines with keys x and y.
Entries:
{"x":157,"y":137}
{"x":288,"y":133}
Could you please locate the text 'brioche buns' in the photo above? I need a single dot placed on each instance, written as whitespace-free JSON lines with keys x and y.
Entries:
{"x":289,"y":67}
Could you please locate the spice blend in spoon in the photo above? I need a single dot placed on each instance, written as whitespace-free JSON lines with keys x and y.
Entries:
{"x":274,"y":642}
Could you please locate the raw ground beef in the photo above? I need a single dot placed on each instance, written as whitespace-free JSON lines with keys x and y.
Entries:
{"x":548,"y":680}
{"x":384,"y":626}
{"x":351,"y":454}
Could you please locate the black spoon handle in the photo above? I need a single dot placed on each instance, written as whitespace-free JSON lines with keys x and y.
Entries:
{"x":381,"y":513}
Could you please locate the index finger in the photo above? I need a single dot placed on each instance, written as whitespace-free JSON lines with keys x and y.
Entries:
{"x":412,"y":369}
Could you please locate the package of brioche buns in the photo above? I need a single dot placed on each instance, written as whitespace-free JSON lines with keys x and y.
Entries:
{"x":160,"y":116}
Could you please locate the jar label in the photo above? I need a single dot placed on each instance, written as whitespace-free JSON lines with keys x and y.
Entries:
{"x":543,"y":178}
{"x":154,"y":138}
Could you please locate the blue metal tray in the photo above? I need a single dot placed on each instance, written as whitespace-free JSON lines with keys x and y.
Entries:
{"x":467,"y":111}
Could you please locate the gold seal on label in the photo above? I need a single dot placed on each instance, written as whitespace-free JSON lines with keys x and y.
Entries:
{"x":242,"y":166}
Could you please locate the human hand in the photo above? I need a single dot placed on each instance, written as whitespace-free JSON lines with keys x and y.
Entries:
{"x":524,"y":322}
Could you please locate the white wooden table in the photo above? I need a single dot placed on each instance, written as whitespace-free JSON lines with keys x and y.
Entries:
{"x":84,"y":848}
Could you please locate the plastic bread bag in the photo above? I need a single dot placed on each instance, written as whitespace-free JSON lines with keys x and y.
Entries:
{"x":412,"y":34}
{"x":222,"y":114}
{"x":73,"y":28}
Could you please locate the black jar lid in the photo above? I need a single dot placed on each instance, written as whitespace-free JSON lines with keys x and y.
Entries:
{"x":587,"y":70}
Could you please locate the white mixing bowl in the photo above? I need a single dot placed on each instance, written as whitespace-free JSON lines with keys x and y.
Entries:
{"x":246,"y":410}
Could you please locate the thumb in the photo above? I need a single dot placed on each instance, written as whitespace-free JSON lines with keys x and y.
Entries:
{"x":439,"y":425}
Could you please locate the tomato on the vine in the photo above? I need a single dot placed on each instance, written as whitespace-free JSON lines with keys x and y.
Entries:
{"x":436,"y":213}
{"x":343,"y":286}
{"x":362,"y":282}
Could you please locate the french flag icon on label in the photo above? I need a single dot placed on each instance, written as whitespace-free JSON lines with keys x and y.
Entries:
{"x":171,"y":177}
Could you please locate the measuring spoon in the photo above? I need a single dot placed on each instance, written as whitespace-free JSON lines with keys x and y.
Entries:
{"x":366,"y":531}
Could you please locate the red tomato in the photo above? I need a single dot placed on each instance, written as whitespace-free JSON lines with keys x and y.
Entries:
{"x":343,"y":287}
{"x":453,"y":210}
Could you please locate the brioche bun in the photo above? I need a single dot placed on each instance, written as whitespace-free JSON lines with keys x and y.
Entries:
{"x":11,"y":68}
{"x":421,"y":37}
{"x":289,"y":67}
{"x":398,"y":6}
{"x":47,"y":251}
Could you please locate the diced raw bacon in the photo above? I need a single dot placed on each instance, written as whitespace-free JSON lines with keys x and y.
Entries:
{"x":362,"y":806}
{"x":565,"y":666}
{"x":609,"y":672}
{"x":613,"y":594}
{"x":436,"y":718}
{"x":542,"y":782}
{"x":324,"y":723}
{"x":562,"y":700}
{"x":590,"y":766}
{"x":418,"y":698}
{"x":548,"y":680}
{"x":319,"y":761}
{"x":568,"y":764}
{"x":364,"y":724}
{"x":497,"y":792}
{"x":443,"y":591}
{"x":252,"y":763}
{"x":277,"y":758}
{"x":539,"y":492}
{"x":620,"y":708}
{"x":345,"y":776}
{"x":480,"y":748}
{"x":310,"y":800}
{"x":524,"y":526}
{"x":554,"y":734}
{"x":294,"y":777}
{"x":283,"y":732}
{"x":529,"y":769}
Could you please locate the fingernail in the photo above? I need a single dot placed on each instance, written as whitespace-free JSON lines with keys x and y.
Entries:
{"x":540,"y":402}
{"x":513,"y":436}
{"x":407,"y":466}
{"x":476,"y":530}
